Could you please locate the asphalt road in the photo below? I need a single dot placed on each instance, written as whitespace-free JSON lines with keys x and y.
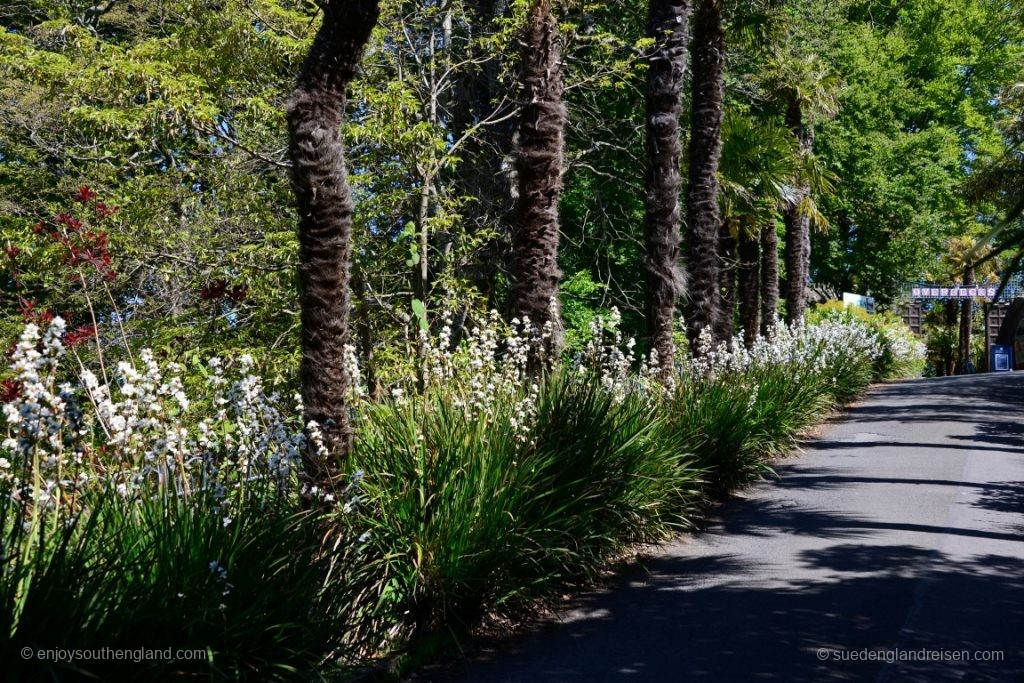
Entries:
{"x":898,"y":533}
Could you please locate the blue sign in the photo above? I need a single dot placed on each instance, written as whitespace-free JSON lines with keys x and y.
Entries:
{"x":1000,"y":358}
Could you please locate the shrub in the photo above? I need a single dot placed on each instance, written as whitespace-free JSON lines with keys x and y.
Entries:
{"x":491,"y":491}
{"x":129,"y":520}
{"x":167,"y":573}
{"x":736,"y":408}
{"x":902,"y":353}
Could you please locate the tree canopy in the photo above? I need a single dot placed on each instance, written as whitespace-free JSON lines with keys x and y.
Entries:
{"x":173,"y":112}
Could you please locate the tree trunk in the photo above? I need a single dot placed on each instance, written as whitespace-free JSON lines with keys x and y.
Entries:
{"x":769,"y":279}
{"x":949,"y":353}
{"x":316,"y":110}
{"x":798,"y":225}
{"x":668,"y":23}
{"x":966,"y":313}
{"x":702,"y":211}
{"x":726,"y":282}
{"x":483,"y":177}
{"x":533,"y":271}
{"x":986,"y":310}
{"x":749,"y":253}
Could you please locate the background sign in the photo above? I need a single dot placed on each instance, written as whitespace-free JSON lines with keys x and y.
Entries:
{"x":1001,"y":358}
{"x":952,"y":292}
{"x":865,"y":302}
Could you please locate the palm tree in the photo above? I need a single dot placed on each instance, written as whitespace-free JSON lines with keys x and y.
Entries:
{"x":758,"y":167}
{"x":966,"y":314}
{"x":316,"y":111}
{"x":959,"y":261}
{"x":668,"y":23}
{"x":728,"y":266}
{"x":808,"y":90}
{"x":748,"y":254}
{"x":707,"y":53}
{"x":769,"y":278}
{"x":533,"y":271}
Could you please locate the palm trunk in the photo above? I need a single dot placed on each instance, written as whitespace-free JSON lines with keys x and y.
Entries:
{"x":769,"y":279}
{"x":702,"y":211}
{"x":668,"y":23}
{"x":966,"y":313}
{"x":533,"y":271}
{"x":749,"y":253}
{"x":726,"y":281}
{"x":798,"y":226}
{"x":316,"y":111}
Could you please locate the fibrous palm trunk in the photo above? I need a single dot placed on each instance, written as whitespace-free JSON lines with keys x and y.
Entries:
{"x":726,"y":282}
{"x":316,"y":111}
{"x":533,"y":271}
{"x":798,"y":225}
{"x":769,"y":279}
{"x":749,"y":254}
{"x":702,"y":211}
{"x":668,"y":23}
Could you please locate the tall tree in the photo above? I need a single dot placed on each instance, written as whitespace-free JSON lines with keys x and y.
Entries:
{"x":798,"y":225}
{"x":728,"y":263}
{"x":920,"y":105}
{"x":966,"y":314}
{"x":961,"y":263}
{"x":668,"y":23}
{"x":757,"y":171}
{"x":749,"y":266}
{"x":703,"y":217}
{"x":769,"y":278}
{"x":533,"y":271}
{"x":482,"y":101}
{"x":808,"y":90}
{"x":316,"y":112}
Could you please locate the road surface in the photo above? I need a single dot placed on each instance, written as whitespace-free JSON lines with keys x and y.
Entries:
{"x":898,"y":534}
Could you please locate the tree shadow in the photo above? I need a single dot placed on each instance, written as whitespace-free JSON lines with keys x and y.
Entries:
{"x":1004,"y":434}
{"x":675,"y":627}
{"x":769,"y":517}
{"x":1005,"y":497}
{"x":845,"y":588}
{"x":969,"y":398}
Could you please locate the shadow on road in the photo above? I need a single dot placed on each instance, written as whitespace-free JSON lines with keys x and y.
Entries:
{"x":723,"y":616}
{"x":659,"y":627}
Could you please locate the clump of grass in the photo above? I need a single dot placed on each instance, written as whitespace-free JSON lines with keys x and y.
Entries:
{"x":168,"y":572}
{"x":712,"y":418}
{"x":470,"y":518}
{"x":130,"y":520}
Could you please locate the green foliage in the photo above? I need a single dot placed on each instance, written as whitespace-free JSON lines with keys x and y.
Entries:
{"x":902,"y":354}
{"x":466,"y":521}
{"x":173,"y":112}
{"x":473,"y":517}
{"x":918,"y":114}
{"x":146,"y":574}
